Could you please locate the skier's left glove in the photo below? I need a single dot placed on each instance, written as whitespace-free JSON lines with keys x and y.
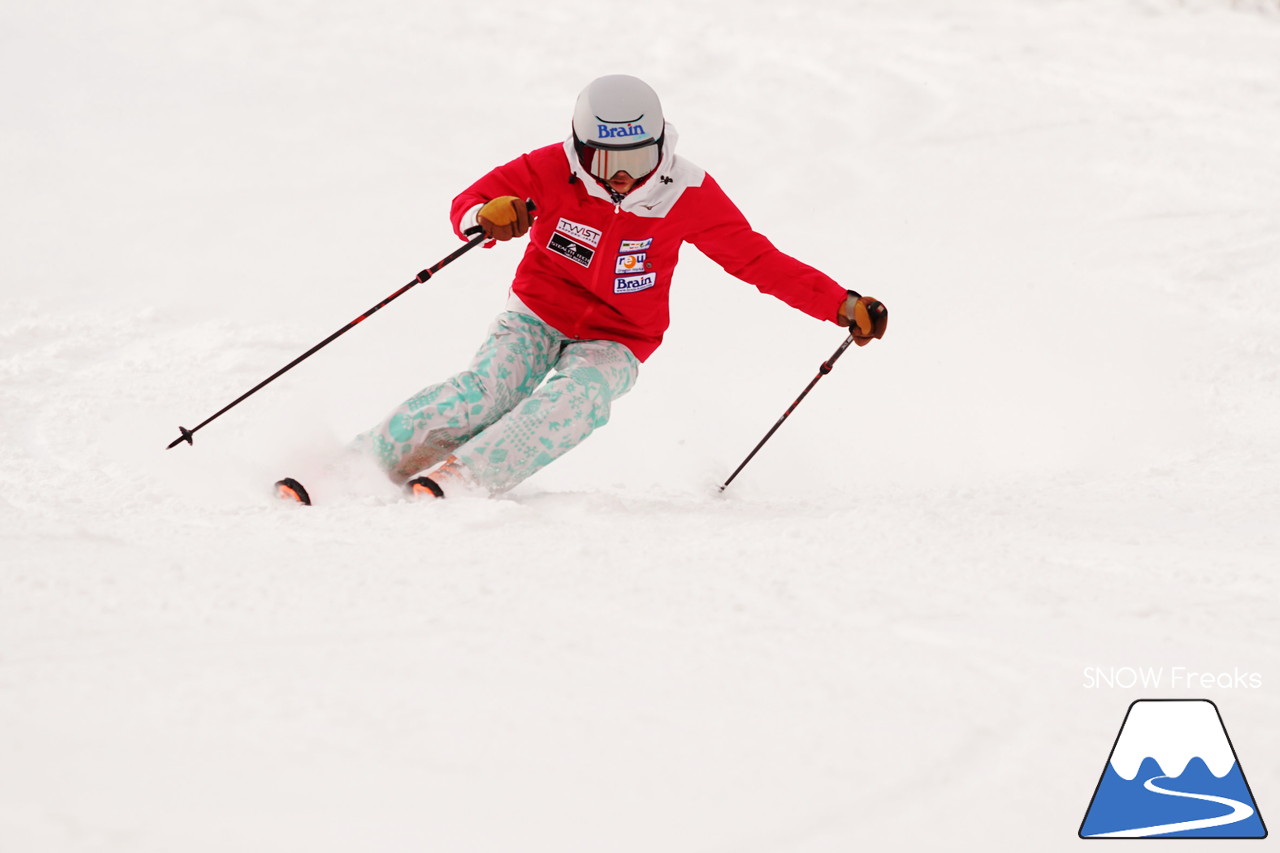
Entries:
{"x":866,"y":318}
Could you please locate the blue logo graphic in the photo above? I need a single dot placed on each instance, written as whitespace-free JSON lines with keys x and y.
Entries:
{"x":1173,"y":773}
{"x":604,"y":131}
{"x":632,"y":283}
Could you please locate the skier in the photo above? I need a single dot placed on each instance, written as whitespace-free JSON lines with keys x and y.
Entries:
{"x":611,"y":206}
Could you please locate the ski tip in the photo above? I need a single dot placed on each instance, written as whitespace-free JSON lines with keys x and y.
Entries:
{"x":290,"y":489}
{"x":423,"y":487}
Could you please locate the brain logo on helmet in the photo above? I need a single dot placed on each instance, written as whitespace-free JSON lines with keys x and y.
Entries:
{"x":612,"y":130}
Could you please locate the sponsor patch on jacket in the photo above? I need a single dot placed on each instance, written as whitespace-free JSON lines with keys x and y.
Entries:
{"x":633,"y":245}
{"x":579,"y":232}
{"x":629,"y":263}
{"x":633,"y":283}
{"x":572,"y":250}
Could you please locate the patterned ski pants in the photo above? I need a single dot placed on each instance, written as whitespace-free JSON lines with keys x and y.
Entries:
{"x":498,"y":422}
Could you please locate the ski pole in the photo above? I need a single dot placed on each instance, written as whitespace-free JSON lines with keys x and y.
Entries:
{"x":187,"y":434}
{"x":823,"y":370}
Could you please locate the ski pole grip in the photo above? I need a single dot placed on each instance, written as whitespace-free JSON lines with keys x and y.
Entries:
{"x":475,"y":230}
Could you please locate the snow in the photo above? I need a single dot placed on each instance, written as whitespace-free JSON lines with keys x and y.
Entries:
{"x":1062,"y":455}
{"x":1172,"y":733}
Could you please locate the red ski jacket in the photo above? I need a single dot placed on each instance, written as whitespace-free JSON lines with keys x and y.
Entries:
{"x":594,"y":269}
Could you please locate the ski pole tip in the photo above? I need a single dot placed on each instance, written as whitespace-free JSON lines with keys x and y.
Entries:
{"x":185,"y":436}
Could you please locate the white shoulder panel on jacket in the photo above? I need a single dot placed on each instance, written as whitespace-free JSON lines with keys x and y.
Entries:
{"x":656,"y":196}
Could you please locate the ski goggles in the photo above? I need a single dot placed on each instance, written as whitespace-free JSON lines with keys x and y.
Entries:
{"x":637,"y":162}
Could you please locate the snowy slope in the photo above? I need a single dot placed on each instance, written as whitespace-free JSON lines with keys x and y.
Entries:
{"x":1063,"y":454}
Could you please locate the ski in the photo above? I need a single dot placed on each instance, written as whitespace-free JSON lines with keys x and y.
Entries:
{"x":290,"y":489}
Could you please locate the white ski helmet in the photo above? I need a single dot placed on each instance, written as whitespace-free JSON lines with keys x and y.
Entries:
{"x":618,"y":127}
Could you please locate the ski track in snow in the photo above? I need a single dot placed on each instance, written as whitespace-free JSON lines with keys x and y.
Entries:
{"x":1061,"y":455}
{"x":1239,"y":811}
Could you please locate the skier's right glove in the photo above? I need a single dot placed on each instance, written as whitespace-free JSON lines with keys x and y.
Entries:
{"x":504,"y":218}
{"x":866,"y":318}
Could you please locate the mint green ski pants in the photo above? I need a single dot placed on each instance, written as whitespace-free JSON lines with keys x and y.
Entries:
{"x":498,"y":422}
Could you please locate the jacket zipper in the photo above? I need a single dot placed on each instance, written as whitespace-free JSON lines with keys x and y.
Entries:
{"x":600,"y":271}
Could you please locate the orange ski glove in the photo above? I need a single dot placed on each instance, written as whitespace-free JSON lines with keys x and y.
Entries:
{"x":504,"y":218}
{"x":866,"y":318}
